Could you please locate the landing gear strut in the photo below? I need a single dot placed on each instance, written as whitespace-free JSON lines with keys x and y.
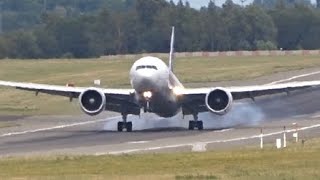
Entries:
{"x":147,"y":108}
{"x":196,"y":123}
{"x":124,"y":124}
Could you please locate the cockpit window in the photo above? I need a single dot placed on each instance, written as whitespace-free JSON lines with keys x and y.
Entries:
{"x":147,"y":67}
{"x":152,"y":67}
{"x":140,"y":67}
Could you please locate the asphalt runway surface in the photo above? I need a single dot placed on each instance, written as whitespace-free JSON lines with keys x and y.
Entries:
{"x":60,"y":135}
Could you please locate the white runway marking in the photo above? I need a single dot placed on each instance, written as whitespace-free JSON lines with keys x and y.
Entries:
{"x":315,"y":117}
{"x":294,"y":77}
{"x":208,"y":142}
{"x":300,"y":116}
{"x":138,"y":142}
{"x":225,"y":130}
{"x":57,"y":127}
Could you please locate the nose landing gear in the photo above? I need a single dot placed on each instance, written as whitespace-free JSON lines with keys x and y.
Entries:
{"x":147,"y":108}
{"x":124,"y":124}
{"x":196,"y":123}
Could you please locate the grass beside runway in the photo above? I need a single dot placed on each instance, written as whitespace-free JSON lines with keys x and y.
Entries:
{"x":294,"y":162}
{"x":8,"y":124}
{"x":115,"y":73}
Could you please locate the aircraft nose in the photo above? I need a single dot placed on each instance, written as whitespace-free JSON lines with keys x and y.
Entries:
{"x":147,"y":76}
{"x":146,"y":73}
{"x":144,"y":79}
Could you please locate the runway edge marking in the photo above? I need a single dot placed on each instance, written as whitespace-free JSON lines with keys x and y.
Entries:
{"x":206,"y":142}
{"x":57,"y":127}
{"x":293,"y":77}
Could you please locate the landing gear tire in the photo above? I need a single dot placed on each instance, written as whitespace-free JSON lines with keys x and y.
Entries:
{"x":192,"y":125}
{"x":200,"y":125}
{"x":195,"y":124}
{"x":127,"y":126}
{"x":120,"y":126}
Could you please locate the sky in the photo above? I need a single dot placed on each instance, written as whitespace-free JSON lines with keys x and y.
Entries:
{"x":200,"y":3}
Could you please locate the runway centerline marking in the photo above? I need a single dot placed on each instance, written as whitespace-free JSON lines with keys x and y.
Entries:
{"x":58,"y":127}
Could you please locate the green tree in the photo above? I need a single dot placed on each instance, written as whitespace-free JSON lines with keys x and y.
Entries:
{"x":3,"y":48}
{"x":294,"y":25}
{"x":72,"y":38}
{"x":22,"y":45}
{"x":47,"y":44}
{"x":261,"y":26}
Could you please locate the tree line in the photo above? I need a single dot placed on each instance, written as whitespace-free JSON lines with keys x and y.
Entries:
{"x":92,"y":29}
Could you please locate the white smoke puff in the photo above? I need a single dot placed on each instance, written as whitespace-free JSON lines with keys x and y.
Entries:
{"x":111,"y":125}
{"x":147,"y":121}
{"x":152,"y":121}
{"x":241,"y":114}
{"x":245,"y":113}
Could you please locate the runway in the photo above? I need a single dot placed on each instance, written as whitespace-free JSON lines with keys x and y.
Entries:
{"x":47,"y":135}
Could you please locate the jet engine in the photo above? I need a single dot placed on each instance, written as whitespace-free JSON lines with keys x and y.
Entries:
{"x":219,"y":101}
{"x":92,"y":101}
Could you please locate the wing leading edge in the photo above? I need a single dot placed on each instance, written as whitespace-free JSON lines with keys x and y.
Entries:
{"x":192,"y":98}
{"x":61,"y":90}
{"x":195,"y":98}
{"x":116,"y":97}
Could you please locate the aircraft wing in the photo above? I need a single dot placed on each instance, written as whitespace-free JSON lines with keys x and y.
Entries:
{"x":195,"y":98}
{"x":115,"y":96}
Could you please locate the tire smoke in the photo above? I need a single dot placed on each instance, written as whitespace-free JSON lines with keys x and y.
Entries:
{"x":243,"y":113}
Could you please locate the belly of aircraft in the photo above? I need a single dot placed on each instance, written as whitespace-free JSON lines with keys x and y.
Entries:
{"x":164,"y":104}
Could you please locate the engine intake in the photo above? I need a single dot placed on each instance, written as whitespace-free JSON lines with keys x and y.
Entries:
{"x":92,"y":101}
{"x":219,"y":101}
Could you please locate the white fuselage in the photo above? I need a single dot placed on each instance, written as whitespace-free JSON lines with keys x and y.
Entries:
{"x":153,"y":83}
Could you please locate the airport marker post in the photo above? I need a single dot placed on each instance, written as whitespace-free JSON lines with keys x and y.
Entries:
{"x":278,"y":143}
{"x":261,"y":139}
{"x":295,"y":134}
{"x":97,"y":82}
{"x":284,"y":137}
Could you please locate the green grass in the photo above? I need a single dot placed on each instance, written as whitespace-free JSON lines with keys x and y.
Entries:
{"x":294,"y":162}
{"x":8,"y":124}
{"x":115,"y":73}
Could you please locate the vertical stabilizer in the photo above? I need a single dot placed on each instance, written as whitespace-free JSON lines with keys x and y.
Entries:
{"x":171,"y":57}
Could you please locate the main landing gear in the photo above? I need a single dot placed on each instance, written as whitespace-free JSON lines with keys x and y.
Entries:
{"x":124,"y":124}
{"x":196,"y":123}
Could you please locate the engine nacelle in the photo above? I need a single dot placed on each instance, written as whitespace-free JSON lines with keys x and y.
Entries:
{"x":92,"y":101}
{"x":219,"y":101}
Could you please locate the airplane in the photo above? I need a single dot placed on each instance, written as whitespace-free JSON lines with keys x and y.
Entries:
{"x":156,"y":89}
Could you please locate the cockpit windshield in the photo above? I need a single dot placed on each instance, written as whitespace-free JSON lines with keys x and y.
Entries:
{"x":146,"y":67}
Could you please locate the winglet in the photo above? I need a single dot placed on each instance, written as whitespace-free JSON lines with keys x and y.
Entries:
{"x":171,"y":57}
